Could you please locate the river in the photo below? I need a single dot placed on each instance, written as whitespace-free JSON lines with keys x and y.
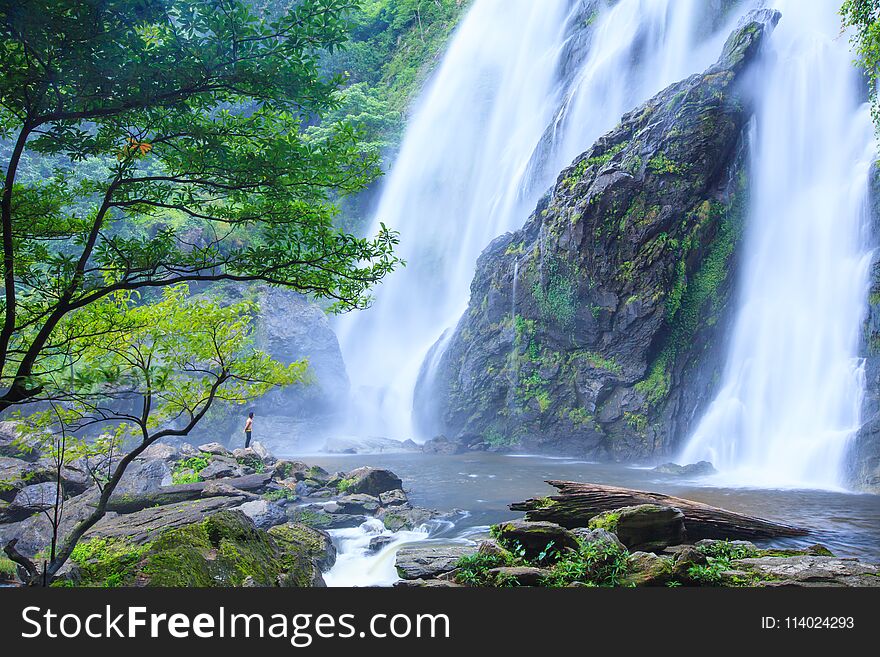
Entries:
{"x":482,"y":485}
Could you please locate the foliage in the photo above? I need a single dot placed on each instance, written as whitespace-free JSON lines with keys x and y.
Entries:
{"x":473,"y":569}
{"x":661,"y":164}
{"x":7,"y":568}
{"x":864,"y":17}
{"x":607,"y":521}
{"x":279,"y":495}
{"x":187,"y":471}
{"x":727,"y":550}
{"x":556,"y":294}
{"x":153,"y":143}
{"x":107,"y":562}
{"x":595,"y":563}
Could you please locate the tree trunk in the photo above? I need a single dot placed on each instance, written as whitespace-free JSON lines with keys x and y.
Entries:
{"x":577,"y":502}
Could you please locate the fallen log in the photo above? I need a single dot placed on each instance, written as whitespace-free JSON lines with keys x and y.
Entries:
{"x":577,"y":502}
{"x":187,"y":492}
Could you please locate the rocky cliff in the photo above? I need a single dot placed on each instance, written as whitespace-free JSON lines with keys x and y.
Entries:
{"x":591,"y":329}
{"x":864,"y":457}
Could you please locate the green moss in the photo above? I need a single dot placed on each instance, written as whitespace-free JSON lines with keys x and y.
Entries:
{"x":602,"y":363}
{"x":607,"y":520}
{"x":344,"y":484}
{"x":661,"y":164}
{"x":581,"y":417}
{"x":544,"y":503}
{"x":106,"y":562}
{"x":636,"y":421}
{"x":279,"y":494}
{"x":7,"y":568}
{"x":556,"y":297}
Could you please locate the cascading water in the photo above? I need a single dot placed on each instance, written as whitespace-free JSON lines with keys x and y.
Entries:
{"x":792,"y":389}
{"x":524,"y":87}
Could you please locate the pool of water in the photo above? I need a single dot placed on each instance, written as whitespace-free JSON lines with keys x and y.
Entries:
{"x":482,"y":485}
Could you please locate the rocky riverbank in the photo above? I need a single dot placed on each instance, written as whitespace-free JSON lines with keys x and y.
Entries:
{"x":641,"y":545}
{"x":195,"y":516}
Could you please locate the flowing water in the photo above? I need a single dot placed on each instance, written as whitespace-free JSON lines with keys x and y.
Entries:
{"x":524,"y":87}
{"x":482,"y":485}
{"x":792,"y":390}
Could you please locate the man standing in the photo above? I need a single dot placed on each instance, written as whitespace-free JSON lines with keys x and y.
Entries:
{"x":248,"y":429}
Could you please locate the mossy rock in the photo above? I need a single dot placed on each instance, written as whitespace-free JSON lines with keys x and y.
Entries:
{"x":226,"y":549}
{"x":300,"y":539}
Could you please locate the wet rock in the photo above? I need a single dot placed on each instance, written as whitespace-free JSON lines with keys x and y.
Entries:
{"x":443,"y":445}
{"x":646,"y":527}
{"x":404,"y":517}
{"x":424,"y":562}
{"x":316,"y":543}
{"x":320,"y":519}
{"x":359,"y":503}
{"x":699,"y":469}
{"x":535,"y":537}
{"x":807,"y":570}
{"x":214,"y":448}
{"x":393,"y":498}
{"x":263,"y":513}
{"x":220,"y":468}
{"x":372,"y":481}
{"x":379,"y":543}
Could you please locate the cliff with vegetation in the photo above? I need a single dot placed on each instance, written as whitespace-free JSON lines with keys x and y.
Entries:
{"x":594,"y":329}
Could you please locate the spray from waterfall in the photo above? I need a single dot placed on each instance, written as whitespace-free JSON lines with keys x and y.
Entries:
{"x":792,"y":388}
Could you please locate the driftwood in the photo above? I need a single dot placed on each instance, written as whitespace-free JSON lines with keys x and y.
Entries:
{"x":577,"y":502}
{"x":187,"y":492}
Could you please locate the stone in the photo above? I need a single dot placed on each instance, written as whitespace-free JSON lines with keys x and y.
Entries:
{"x":223,"y":549}
{"x":684,"y":559}
{"x":393,"y":498}
{"x":648,"y":569}
{"x":265,"y":455}
{"x":357,"y":503}
{"x":263,"y":513}
{"x":34,"y":533}
{"x":404,"y":517}
{"x":320,"y":519}
{"x":315,"y":543}
{"x":14,"y":445}
{"x":247,"y":456}
{"x":162,"y":451}
{"x":372,"y":481}
{"x":646,"y":527}
{"x":808,"y":570}
{"x":521,"y":575}
{"x":443,"y":445}
{"x":220,"y":469}
{"x":379,"y":543}
{"x":603,"y":536}
{"x":535,"y":537}
{"x":284,"y":469}
{"x":424,"y":562}
{"x":214,"y":448}
{"x":16,"y":473}
{"x":144,"y":476}
{"x":36,"y":497}
{"x":699,"y":469}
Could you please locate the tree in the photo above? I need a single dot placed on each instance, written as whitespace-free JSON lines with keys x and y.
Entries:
{"x":864,"y":17}
{"x":121,"y":114}
{"x":140,"y":373}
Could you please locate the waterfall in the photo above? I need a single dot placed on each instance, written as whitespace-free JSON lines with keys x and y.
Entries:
{"x":791,"y":392}
{"x":523,"y":88}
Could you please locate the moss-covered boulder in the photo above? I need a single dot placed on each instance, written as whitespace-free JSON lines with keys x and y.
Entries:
{"x":315,"y":544}
{"x":532,"y":539}
{"x":595,"y":329}
{"x":226,"y":549}
{"x":646,"y":527}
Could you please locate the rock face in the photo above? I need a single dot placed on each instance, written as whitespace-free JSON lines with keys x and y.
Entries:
{"x":864,"y":456}
{"x":591,"y":329}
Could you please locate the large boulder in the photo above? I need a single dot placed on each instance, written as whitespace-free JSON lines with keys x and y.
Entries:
{"x":223,"y":549}
{"x":263,"y":513}
{"x":144,"y":476}
{"x":648,"y":569}
{"x":699,"y":469}
{"x":14,"y":445}
{"x":221,"y":468}
{"x":428,"y":561}
{"x":597,"y":328}
{"x":647,"y":527}
{"x":372,"y":481}
{"x":535,"y":538}
{"x":316,"y":543}
{"x":16,"y":474}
